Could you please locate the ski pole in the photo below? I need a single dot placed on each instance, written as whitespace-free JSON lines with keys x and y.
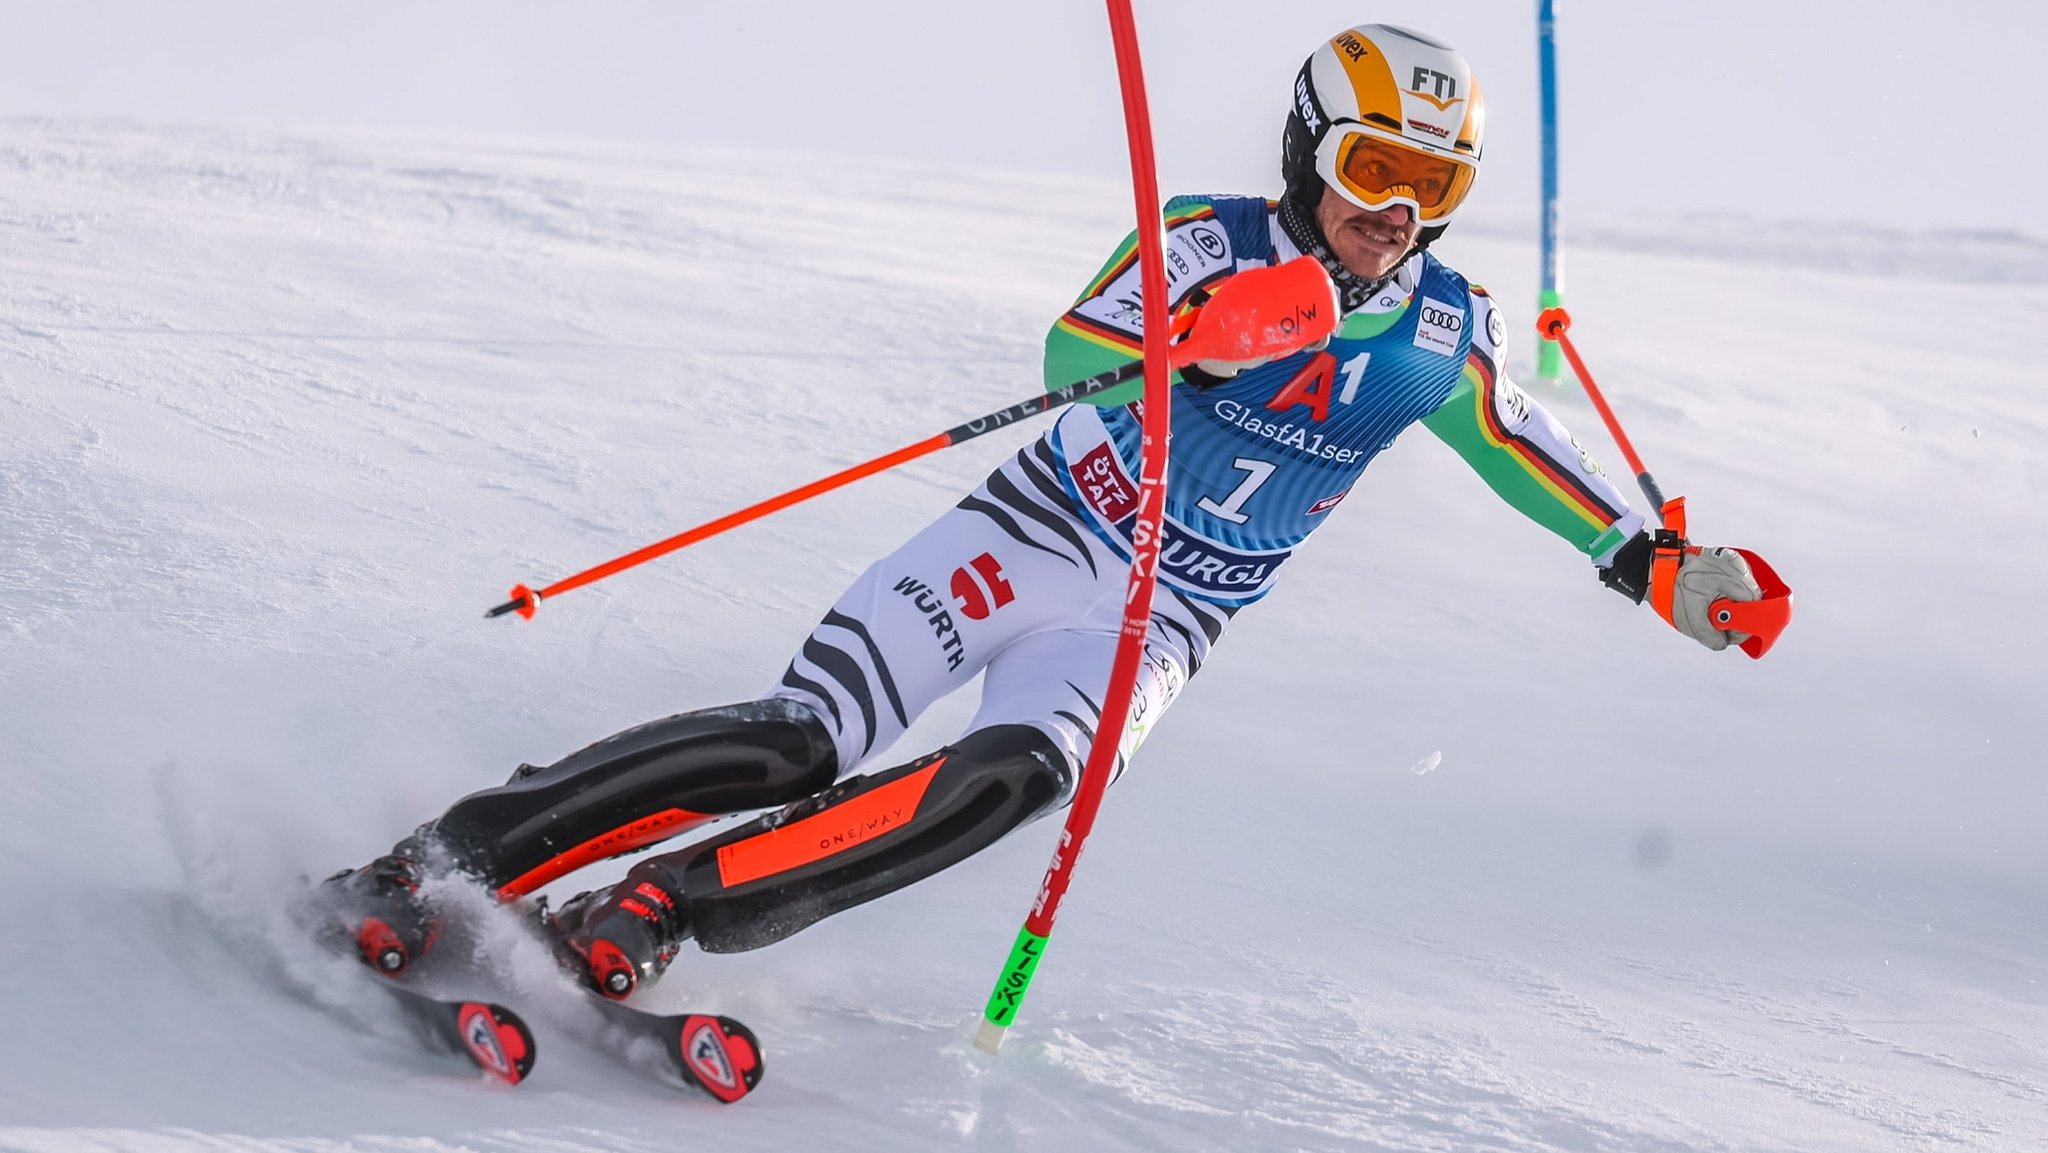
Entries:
{"x":1764,"y":618}
{"x":1262,"y":312}
{"x":525,"y":600}
{"x":1553,"y":323}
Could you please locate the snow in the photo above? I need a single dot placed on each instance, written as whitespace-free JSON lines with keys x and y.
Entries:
{"x":282,"y":414}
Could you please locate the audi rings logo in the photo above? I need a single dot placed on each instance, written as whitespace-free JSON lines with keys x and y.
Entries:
{"x":1440,"y":326}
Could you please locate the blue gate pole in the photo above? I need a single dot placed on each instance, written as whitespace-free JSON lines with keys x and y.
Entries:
{"x":1549,"y":364}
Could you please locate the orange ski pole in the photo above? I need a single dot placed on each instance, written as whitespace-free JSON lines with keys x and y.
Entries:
{"x":1261,"y":312}
{"x":1764,"y":618}
{"x":1553,"y":323}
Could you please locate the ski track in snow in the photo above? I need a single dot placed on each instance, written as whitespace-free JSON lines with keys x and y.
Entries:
{"x":281,"y":414}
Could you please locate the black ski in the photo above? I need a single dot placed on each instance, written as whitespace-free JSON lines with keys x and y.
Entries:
{"x":716,"y":1054}
{"x":488,"y":1034}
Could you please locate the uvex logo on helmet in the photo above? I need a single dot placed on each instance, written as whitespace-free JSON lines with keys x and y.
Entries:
{"x":1305,"y":100}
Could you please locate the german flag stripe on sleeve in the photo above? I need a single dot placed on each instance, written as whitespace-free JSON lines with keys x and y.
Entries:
{"x":1561,"y":480}
{"x":1077,"y":325}
{"x":1127,"y":255}
{"x":1125,"y":258}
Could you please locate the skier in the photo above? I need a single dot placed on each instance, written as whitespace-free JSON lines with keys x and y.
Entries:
{"x":1024,"y":579}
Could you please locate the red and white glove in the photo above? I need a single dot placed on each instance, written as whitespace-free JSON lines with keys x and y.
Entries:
{"x":1683,"y":582}
{"x":1684,"y":593}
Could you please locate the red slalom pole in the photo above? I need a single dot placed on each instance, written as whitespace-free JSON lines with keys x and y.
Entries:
{"x":1029,"y":946}
{"x":1257,"y":313}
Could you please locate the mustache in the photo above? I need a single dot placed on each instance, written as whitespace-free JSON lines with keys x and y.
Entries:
{"x":1378,"y":234}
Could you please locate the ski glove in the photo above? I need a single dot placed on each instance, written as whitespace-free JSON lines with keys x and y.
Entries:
{"x":1682,"y":582}
{"x":1701,"y":577}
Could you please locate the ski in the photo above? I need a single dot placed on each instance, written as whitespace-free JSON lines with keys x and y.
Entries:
{"x":490,"y":1035}
{"x":715,"y":1054}
{"x":712,"y":1053}
{"x":493,"y":1037}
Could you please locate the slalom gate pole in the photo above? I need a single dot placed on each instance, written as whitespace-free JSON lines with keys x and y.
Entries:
{"x":1551,"y":291}
{"x":1260,"y":312}
{"x":1029,"y":947}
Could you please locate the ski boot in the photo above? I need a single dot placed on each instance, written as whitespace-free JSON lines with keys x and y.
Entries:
{"x":377,"y":911}
{"x":617,"y":939}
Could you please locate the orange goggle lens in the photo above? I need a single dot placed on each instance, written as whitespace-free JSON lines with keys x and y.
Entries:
{"x":1379,"y":170}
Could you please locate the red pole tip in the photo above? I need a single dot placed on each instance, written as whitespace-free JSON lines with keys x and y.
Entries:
{"x":528,"y":601}
{"x":1552,"y":322}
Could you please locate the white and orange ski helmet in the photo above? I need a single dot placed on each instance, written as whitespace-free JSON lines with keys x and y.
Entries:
{"x":1385,"y":116}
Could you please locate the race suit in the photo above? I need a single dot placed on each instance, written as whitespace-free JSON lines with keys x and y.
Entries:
{"x":1261,"y":460}
{"x":1023,"y":583}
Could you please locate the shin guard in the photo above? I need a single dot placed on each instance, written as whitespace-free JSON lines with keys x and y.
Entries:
{"x":631,"y":790}
{"x":865,"y":837}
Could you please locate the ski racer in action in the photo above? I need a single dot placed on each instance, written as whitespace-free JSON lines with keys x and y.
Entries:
{"x":1024,"y":579}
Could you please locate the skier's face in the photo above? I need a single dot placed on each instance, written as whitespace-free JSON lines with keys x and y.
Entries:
{"x":1369,"y":243}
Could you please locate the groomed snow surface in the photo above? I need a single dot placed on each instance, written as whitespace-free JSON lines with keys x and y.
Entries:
{"x":280,"y":415}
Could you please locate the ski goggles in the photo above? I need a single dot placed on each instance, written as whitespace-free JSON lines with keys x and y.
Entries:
{"x":1375,"y":172}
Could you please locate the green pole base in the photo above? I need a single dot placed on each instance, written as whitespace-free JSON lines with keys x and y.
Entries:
{"x":1549,"y":358}
{"x":1008,"y":996}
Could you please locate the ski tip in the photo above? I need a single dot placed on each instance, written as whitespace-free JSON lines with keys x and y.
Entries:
{"x":497,"y":1040}
{"x":718,"y":1055}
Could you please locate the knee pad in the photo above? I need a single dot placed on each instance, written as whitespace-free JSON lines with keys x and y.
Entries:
{"x":868,"y":836}
{"x":635,"y":789}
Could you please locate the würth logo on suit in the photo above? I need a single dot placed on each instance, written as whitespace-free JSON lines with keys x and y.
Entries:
{"x":978,"y":598}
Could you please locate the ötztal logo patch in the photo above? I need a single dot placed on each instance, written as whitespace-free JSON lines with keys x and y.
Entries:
{"x":1103,"y":484}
